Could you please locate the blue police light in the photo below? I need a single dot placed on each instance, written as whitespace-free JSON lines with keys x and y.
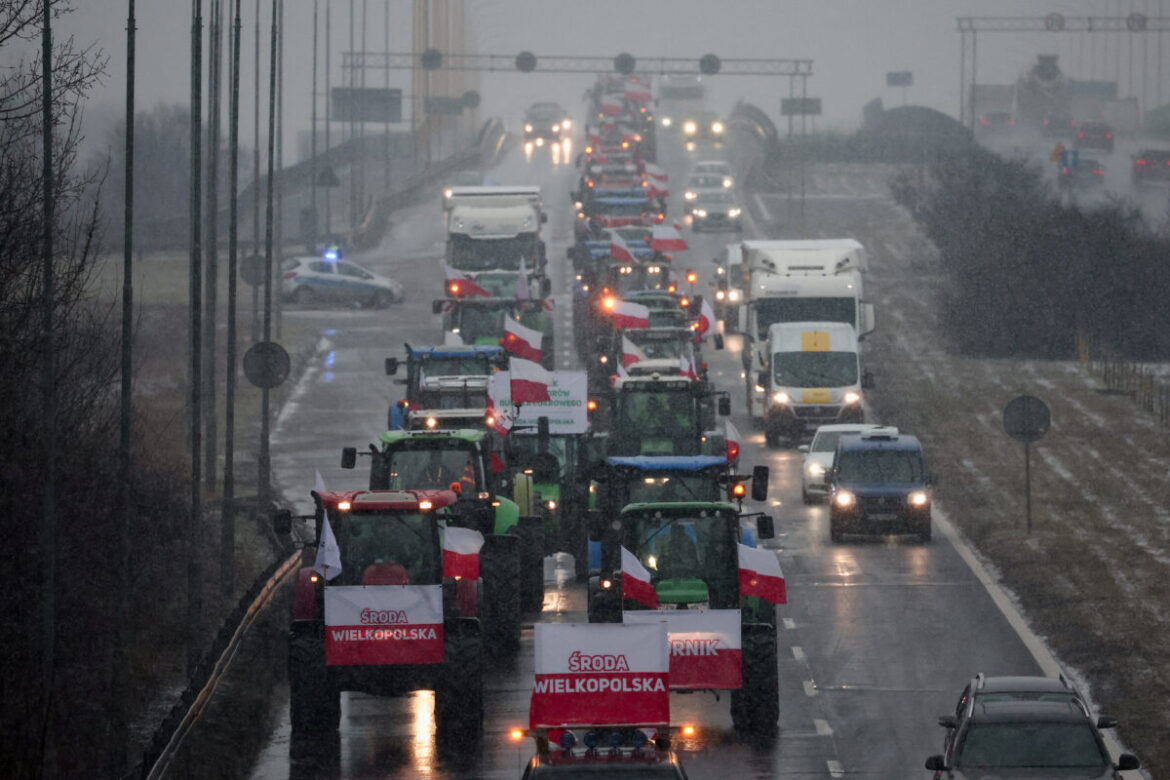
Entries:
{"x":333,"y":253}
{"x":567,"y":740}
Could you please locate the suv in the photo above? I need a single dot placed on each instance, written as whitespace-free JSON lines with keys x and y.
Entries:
{"x":1151,"y":166}
{"x":879,"y":483}
{"x":817,"y":457}
{"x":1036,"y":737}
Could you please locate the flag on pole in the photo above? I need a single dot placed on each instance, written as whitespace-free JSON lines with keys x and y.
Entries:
{"x":664,"y":238}
{"x":630,"y":315}
{"x":530,"y":382}
{"x":656,"y":173}
{"x":619,"y":249}
{"x":760,"y":575}
{"x":499,"y":420}
{"x":636,"y":581}
{"x":460,"y":284}
{"x":461,"y":548}
{"x":706,"y":319}
{"x":686,"y":367}
{"x":733,"y":441}
{"x":631,"y":352}
{"x":521,"y":340}
{"x":621,"y":374}
{"x":522,"y":281}
{"x":328,"y":561}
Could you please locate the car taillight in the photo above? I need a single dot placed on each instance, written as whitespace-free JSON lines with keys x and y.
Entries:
{"x":1109,"y":135}
{"x":1011,"y":121}
{"x":1143,"y":162}
{"x":1099,"y":172}
{"x":985,"y":121}
{"x":1064,"y":171}
{"x":1080,"y":135}
{"x":291,"y":275}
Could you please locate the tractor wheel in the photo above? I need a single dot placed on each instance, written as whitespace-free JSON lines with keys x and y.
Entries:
{"x":314,"y":705}
{"x":755,"y":708}
{"x":499,"y":564}
{"x":459,"y":694}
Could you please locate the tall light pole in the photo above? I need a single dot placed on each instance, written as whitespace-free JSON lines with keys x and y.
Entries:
{"x":211,"y":270}
{"x":228,"y":528}
{"x":264,"y":480}
{"x":194,"y":567}
{"x":313,"y":145}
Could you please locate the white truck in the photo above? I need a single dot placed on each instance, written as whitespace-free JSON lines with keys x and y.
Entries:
{"x":813,"y":377}
{"x":799,"y":281}
{"x":489,"y":230}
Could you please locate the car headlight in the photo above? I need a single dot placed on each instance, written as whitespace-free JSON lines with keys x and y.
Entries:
{"x":734,"y":212}
{"x":690,"y":195}
{"x":716,"y":127}
{"x":727,"y":182}
{"x":666,"y":121}
{"x":565,"y":125}
{"x":447,"y":193}
{"x":918,"y":498}
{"x":528,"y":128}
{"x":844,"y":499}
{"x":780,"y":397}
{"x":815,"y":469}
{"x":733,"y":295}
{"x":700,"y":212}
{"x":540,"y":142}
{"x":689,"y":128}
{"x":852,"y":398}
{"x":720,"y":295}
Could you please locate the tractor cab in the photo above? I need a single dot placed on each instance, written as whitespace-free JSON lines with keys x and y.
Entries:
{"x":446,"y":385}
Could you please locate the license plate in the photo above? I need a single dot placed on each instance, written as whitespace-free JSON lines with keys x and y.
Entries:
{"x":883,"y":516}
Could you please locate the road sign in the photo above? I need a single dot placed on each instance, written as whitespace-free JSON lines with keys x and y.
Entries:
{"x":899,"y":78}
{"x":1054,"y":22}
{"x":800,"y":106}
{"x":445,"y":106}
{"x":266,"y":364}
{"x":1057,"y":152}
{"x":1027,"y":419}
{"x":367,"y":104}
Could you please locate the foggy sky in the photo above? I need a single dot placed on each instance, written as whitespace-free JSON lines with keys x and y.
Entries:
{"x":853,"y":43}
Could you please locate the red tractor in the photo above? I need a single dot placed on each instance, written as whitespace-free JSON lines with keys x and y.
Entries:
{"x":390,"y":606}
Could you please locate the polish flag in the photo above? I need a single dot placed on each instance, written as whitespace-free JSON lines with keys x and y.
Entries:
{"x":636,"y":581}
{"x":521,"y":340}
{"x":631,"y":352}
{"x":760,"y":575}
{"x":706,"y":318}
{"x":461,"y":552}
{"x":530,"y":382}
{"x":686,"y":367}
{"x":460,"y":284}
{"x":656,"y":173}
{"x":639,"y":93}
{"x":328,"y":561}
{"x":619,"y":249}
{"x":497,"y":419}
{"x":592,"y":134}
{"x":621,"y":374}
{"x":610,"y":107}
{"x":630,"y":315}
{"x":664,"y":238}
{"x":731,"y":434}
{"x":522,"y":281}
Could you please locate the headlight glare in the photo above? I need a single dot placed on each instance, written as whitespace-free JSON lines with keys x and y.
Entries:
{"x":852,"y":398}
{"x":844,"y":499}
{"x":780,"y":397}
{"x":918,"y":498}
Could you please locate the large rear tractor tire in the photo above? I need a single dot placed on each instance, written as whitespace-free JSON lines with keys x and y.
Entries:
{"x":755,"y":708}
{"x":314,"y":705}
{"x":459,"y":694}
{"x":499,"y":568}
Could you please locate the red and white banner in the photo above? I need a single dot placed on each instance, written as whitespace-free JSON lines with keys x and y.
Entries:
{"x":619,"y":250}
{"x":636,"y":581}
{"x":639,"y":93}
{"x":610,"y":106}
{"x":530,"y":382}
{"x":599,"y":674}
{"x":706,"y":648}
{"x":656,"y":173}
{"x":706,"y":318}
{"x":630,"y":315}
{"x":383,"y":624}
{"x":461,"y":548}
{"x":592,"y":134}
{"x":686,"y":367}
{"x":733,"y":441}
{"x":631,"y":352}
{"x":521,"y":340}
{"x":664,"y":238}
{"x":760,"y":575}
{"x":460,"y":284}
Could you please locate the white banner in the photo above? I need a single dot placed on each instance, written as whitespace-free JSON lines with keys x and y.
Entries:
{"x":565,"y":409}
{"x":383,"y":624}
{"x":705,"y":645}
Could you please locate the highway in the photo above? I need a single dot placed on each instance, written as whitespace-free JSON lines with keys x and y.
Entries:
{"x":878,"y":637}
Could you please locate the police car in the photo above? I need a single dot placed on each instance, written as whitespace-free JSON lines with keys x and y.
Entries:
{"x":329,"y":279}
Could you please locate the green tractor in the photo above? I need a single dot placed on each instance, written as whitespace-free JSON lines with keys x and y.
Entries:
{"x":666,"y":415}
{"x":464,"y":461}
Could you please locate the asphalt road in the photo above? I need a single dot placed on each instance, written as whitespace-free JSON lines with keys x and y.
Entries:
{"x":876,"y":641}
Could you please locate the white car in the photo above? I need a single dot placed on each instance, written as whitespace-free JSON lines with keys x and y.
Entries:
{"x":716,"y":167}
{"x":698,"y":183}
{"x":818,"y":457}
{"x":330,"y":280}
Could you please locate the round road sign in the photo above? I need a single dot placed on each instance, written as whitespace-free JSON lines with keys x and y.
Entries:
{"x":525,"y":62}
{"x":266,"y":364}
{"x":432,"y":59}
{"x":471,"y":99}
{"x":1136,"y":22}
{"x":709,"y":64}
{"x":1026,"y":418}
{"x":1054,"y":22}
{"x":624,"y":63}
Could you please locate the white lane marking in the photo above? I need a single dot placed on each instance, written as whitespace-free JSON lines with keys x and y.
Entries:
{"x":763,"y":209}
{"x":823,"y":727}
{"x":798,"y":653}
{"x":835,"y":768}
{"x":810,"y":688}
{"x":789,"y":623}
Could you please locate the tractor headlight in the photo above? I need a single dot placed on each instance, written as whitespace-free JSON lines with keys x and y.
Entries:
{"x":700,"y":213}
{"x":551,"y":504}
{"x":733,"y":295}
{"x":727,"y":182}
{"x":666,"y":121}
{"x":528,"y":127}
{"x":717,"y":128}
{"x":689,"y":127}
{"x":690,"y":195}
{"x":720,"y":295}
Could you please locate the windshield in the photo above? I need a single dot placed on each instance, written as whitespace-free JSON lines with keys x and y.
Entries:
{"x":480,"y":254}
{"x":826,"y":441}
{"x":433,"y":464}
{"x":455,"y":366}
{"x":477,"y":323}
{"x":371,"y":540}
{"x":706,"y":181}
{"x":658,"y":423}
{"x":453,"y":398}
{"x":661,"y":348}
{"x":686,"y":545}
{"x":634,"y":209}
{"x":679,"y":486}
{"x":722,"y":197}
{"x":880,"y":466}
{"x":769,"y":311}
{"x":546,"y":467}
{"x":1029,"y":745}
{"x":814,"y":369}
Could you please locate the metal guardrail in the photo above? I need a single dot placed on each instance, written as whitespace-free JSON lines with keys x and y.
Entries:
{"x":195,"y":699}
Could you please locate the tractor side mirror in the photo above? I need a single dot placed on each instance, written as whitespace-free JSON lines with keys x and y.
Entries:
{"x":724,"y":405}
{"x":765,"y":527}
{"x":391,"y":366}
{"x":948,"y":721}
{"x":282,"y":522}
{"x":718,"y":339}
{"x":760,"y":483}
{"x":437,"y":307}
{"x":936,"y":764}
{"x":348,"y":457}
{"x":545,"y":287}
